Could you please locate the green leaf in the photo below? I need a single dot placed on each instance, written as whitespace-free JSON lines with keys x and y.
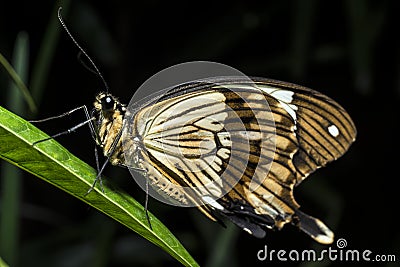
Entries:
{"x":54,"y":164}
{"x":2,"y":263}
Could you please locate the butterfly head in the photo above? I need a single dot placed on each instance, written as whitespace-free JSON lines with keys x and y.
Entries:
{"x":108,"y":105}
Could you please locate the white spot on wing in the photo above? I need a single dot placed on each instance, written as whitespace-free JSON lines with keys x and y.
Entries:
{"x":248,"y":230}
{"x":210,"y":201}
{"x":283,"y":95}
{"x":333,"y":130}
{"x":327,"y":237}
{"x":285,"y":98}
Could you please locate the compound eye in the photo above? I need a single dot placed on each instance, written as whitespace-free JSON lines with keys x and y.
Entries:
{"x":107,"y":103}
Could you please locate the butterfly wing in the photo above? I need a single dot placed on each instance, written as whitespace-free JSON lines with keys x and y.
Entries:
{"x":324,"y":130}
{"x":312,"y":130}
{"x":237,"y":148}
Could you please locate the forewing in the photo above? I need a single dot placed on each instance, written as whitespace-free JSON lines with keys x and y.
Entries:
{"x":323,"y":129}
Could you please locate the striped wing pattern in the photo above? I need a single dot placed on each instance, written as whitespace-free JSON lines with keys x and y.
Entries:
{"x":205,"y":144}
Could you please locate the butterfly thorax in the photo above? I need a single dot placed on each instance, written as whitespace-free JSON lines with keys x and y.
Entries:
{"x":110,"y":116}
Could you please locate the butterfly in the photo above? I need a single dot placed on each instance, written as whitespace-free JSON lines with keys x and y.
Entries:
{"x":233,"y":147}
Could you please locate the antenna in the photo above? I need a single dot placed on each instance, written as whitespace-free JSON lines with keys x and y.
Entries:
{"x":81,"y":49}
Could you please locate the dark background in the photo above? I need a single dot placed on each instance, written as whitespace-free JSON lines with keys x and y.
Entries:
{"x":348,"y":50}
